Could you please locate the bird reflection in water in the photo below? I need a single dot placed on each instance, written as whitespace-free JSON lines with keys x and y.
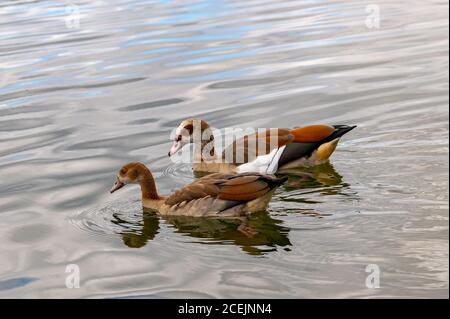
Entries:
{"x":309,"y":186}
{"x":135,"y":234}
{"x":257,"y":234}
{"x":313,"y":177}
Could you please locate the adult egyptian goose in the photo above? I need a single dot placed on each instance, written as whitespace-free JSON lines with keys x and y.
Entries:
{"x":216,"y":195}
{"x":267,"y":152}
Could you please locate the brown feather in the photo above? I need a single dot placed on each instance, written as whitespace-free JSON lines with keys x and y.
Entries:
{"x":244,"y":188}
{"x":240,"y":180}
{"x":247,"y":148}
{"x":244,"y":196}
{"x":191,"y":192}
{"x":241,"y":187}
{"x":312,"y":133}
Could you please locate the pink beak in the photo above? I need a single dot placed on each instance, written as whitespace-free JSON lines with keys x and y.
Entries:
{"x":176,"y":146}
{"x":117,"y":185}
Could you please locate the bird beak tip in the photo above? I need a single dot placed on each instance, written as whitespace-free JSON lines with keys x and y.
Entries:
{"x":117,"y":185}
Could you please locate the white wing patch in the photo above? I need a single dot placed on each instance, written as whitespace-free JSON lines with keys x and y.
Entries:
{"x":263,"y":164}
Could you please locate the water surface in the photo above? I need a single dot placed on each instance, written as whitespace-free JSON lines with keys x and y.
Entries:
{"x":79,"y":98}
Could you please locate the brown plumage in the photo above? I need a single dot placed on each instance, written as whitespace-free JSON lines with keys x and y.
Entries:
{"x":290,"y":148}
{"x":312,"y":133}
{"x":247,"y":148}
{"x":215,"y":195}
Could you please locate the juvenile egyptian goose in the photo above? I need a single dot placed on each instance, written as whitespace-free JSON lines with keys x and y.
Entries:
{"x":267,"y":152}
{"x":216,"y":195}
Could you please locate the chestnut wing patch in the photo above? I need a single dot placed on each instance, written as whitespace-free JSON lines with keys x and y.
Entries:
{"x":241,"y":180}
{"x":193,"y":191}
{"x":244,"y":187}
{"x":236,"y":188}
{"x":247,"y":148}
{"x":312,"y":133}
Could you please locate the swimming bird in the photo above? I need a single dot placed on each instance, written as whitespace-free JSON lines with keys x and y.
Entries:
{"x":216,"y":195}
{"x":267,"y":152}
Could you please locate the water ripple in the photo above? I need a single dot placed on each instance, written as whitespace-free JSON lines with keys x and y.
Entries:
{"x":76,"y":103}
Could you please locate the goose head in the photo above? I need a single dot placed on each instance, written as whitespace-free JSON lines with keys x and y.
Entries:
{"x":191,"y":131}
{"x":131,"y":173}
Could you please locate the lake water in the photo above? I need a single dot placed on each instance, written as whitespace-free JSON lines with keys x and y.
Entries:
{"x":86,"y":86}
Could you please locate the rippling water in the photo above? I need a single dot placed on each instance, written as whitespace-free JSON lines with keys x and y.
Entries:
{"x":80,"y":97}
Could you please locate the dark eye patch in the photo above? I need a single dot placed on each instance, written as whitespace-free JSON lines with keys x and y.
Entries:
{"x":189,"y":128}
{"x":133,"y":174}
